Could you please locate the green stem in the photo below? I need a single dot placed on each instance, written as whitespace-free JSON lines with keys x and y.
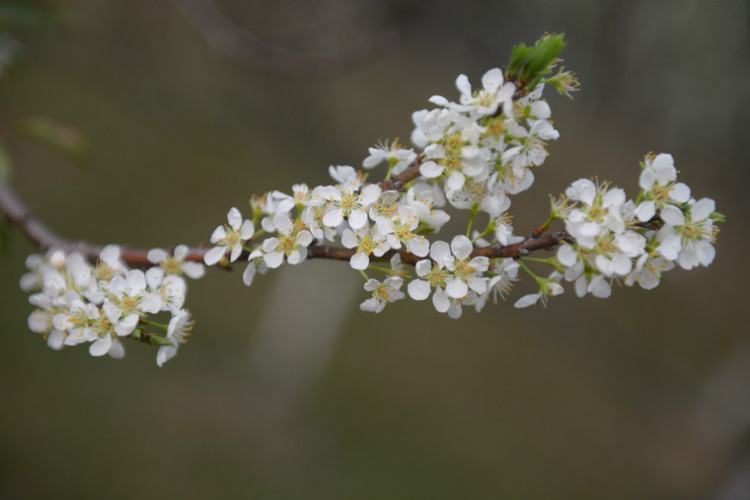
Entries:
{"x":549,"y":261}
{"x":472,"y":213}
{"x":640,"y":196}
{"x":538,"y":280}
{"x":154,"y":324}
{"x":381,"y":269}
{"x":364,"y":275}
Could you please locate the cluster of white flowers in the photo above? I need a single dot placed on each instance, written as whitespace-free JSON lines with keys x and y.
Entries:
{"x":79,"y":303}
{"x":474,"y":154}
{"x":619,"y":240}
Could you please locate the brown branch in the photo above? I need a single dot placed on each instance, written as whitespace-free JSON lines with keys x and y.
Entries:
{"x":17,"y":214}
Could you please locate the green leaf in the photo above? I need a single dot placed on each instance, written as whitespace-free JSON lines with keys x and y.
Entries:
{"x":62,"y":138}
{"x":158,"y":340}
{"x":529,"y":64}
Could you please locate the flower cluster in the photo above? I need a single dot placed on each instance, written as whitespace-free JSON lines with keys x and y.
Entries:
{"x":471,"y":155}
{"x":619,"y":240}
{"x":98,"y":305}
{"x":474,"y":155}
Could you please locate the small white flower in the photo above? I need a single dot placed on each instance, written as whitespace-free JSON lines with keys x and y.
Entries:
{"x":179,"y":328}
{"x":176,"y":264}
{"x":485,"y":102}
{"x":399,"y":228}
{"x":291,"y":243}
{"x":367,"y":241}
{"x":229,"y":238}
{"x":345,"y":202}
{"x":550,"y":287}
{"x":394,"y":154}
{"x":688,"y":238}
{"x":658,"y":181}
{"x":382,"y":293}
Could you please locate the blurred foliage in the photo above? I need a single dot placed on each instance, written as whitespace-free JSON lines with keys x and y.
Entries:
{"x":62,"y":138}
{"x":641,"y":395}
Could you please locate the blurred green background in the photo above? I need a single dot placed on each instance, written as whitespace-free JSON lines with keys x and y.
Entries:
{"x":287,"y":390}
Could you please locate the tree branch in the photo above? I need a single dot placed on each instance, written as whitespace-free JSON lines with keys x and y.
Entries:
{"x":17,"y":214}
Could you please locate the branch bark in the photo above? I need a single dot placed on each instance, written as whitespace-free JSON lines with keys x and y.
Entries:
{"x":17,"y":214}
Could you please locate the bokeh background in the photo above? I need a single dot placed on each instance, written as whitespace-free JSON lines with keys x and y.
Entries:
{"x":287,"y":390}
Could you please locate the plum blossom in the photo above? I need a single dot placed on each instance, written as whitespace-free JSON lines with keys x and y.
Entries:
{"x":382,"y":293}
{"x":229,"y":238}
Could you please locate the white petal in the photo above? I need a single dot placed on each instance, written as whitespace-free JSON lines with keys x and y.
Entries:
{"x":419,"y":246}
{"x":455,"y":310}
{"x":492,"y":80}
{"x":273,"y":259}
{"x":647,"y":179}
{"x":599,"y":287}
{"x":154,"y":277}
{"x":38,"y":322}
{"x":101,"y":347}
{"x":463,"y":86}
{"x":117,"y":350}
{"x":235,"y":254}
{"x":702,"y":209}
{"x":249,"y":274}
{"x":527,"y":300}
{"x":621,"y":264}
{"x":440,"y":252}
{"x":333,"y":218}
{"x":372,"y":305}
{"x":357,"y":219}
{"x":247,"y":230}
{"x":670,"y":247}
{"x":567,"y":255}
{"x":456,"y":288}
{"x":349,"y":239}
{"x":296,"y":256}
{"x":304,"y":238}
{"x":441,"y":301}
{"x":430,"y":169}
{"x":456,"y":181}
{"x":423,"y":267}
{"x":194,"y":270}
{"x":55,"y":339}
{"x":180,"y":251}
{"x":214,"y":255}
{"x":645,"y":211}
{"x":127,"y":325}
{"x":418,"y":289}
{"x":680,"y":192}
{"x":479,"y":264}
{"x":156,"y":255}
{"x":234,"y":217}
{"x":110,"y":255}
{"x":151,"y":303}
{"x":477,"y":284}
{"x":369,"y":195}
{"x":461,"y":247}
{"x":359,"y":261}
{"x":283,"y":224}
{"x":672,"y":216}
{"x":218,"y":234}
